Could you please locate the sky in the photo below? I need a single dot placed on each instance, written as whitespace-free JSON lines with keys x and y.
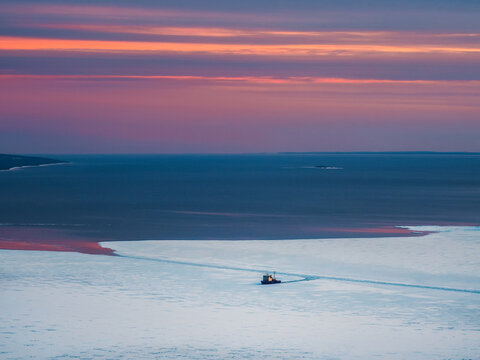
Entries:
{"x":211,"y":76}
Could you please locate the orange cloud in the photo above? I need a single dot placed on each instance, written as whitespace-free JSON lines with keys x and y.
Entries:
{"x":242,"y":79}
{"x":22,"y":43}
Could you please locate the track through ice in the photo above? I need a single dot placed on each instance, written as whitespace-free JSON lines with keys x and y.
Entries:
{"x":304,"y":277}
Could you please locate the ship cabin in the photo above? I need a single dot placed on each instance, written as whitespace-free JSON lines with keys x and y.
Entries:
{"x":270,"y":279}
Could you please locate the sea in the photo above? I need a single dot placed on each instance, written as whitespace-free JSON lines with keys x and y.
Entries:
{"x":377,"y":253}
{"x":261,"y":196}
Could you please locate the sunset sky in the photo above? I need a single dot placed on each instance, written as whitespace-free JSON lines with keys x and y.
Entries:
{"x":191,"y":76}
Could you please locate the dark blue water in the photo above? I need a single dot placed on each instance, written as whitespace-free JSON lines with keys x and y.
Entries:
{"x":242,"y":196}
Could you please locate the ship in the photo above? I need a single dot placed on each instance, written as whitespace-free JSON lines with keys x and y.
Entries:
{"x":270,"y":279}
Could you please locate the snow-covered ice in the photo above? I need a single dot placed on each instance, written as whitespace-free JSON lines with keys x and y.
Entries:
{"x":202,"y":300}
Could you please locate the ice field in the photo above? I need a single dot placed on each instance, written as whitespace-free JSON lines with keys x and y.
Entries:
{"x":389,"y":298}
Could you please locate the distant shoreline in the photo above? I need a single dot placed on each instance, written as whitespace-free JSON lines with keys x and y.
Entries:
{"x":31,"y":166}
{"x":17,"y":162}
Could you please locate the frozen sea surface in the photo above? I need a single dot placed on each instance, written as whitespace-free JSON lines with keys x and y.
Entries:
{"x":389,"y":298}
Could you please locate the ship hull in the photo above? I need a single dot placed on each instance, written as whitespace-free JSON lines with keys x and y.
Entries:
{"x":271,"y":282}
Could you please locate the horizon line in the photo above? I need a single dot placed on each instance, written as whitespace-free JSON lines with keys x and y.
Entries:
{"x":403,"y":152}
